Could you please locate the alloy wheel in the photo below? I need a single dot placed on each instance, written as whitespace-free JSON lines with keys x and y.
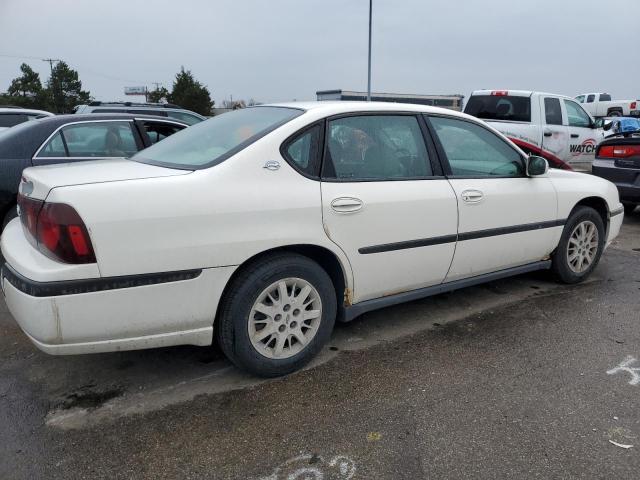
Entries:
{"x":582,"y":247}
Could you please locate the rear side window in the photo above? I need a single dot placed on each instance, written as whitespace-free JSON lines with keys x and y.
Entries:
{"x":474,"y":151}
{"x":500,"y":107}
{"x":576,"y":116}
{"x":376,"y":147}
{"x":304,"y":150}
{"x":552,"y":111}
{"x":10,"y":119}
{"x":159,"y":131}
{"x":93,"y":139}
{"x":605,"y":97}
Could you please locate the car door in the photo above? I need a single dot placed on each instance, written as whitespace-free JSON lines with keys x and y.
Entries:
{"x":506,"y":219}
{"x":91,"y":140}
{"x":555,"y":136}
{"x":386,"y":204}
{"x":583,"y":138}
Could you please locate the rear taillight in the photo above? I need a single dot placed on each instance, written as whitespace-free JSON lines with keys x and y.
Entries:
{"x":633,"y":105}
{"x":56,"y":230}
{"x":618,"y":151}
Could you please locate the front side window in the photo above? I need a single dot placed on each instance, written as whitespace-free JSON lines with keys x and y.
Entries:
{"x":304,"y":150}
{"x":376,"y":147}
{"x":474,"y":151}
{"x":92,"y":139}
{"x":580,"y":99}
{"x":591,"y":98}
{"x":209,"y":143}
{"x":552,"y":111}
{"x":576,"y":116}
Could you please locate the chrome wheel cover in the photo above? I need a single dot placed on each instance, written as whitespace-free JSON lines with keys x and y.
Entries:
{"x":285,"y":318}
{"x":582,"y":247}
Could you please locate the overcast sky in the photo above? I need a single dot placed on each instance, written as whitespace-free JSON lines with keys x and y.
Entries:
{"x":287,"y":49}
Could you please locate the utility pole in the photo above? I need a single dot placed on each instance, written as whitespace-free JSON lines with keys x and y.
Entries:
{"x":53,"y":86}
{"x":369,"y":69}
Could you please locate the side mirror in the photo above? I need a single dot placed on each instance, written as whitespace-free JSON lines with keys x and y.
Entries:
{"x":607,"y":124}
{"x":536,"y":166}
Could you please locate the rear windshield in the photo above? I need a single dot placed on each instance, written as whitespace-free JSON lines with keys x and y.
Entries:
{"x":499,"y":107}
{"x":212,"y":141}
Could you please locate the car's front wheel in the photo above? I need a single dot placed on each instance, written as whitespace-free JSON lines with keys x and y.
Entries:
{"x":580,"y":246}
{"x":277,"y":314}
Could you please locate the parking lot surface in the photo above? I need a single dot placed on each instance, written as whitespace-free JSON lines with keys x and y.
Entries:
{"x":520,"y":378}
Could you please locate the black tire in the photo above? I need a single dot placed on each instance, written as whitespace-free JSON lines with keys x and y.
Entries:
{"x":629,"y":208}
{"x":560,"y":261}
{"x":614,"y":113}
{"x":11,"y":214}
{"x":232,"y":323}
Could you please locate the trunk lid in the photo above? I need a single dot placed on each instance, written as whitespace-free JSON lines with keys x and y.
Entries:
{"x":37,"y":182}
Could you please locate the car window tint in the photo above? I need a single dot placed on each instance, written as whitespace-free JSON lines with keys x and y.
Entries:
{"x":552,"y":110}
{"x":580,"y":98}
{"x":54,"y":147}
{"x":185,"y":117}
{"x":473,"y":150}
{"x":576,"y":116}
{"x":304,"y":150}
{"x":10,"y":119}
{"x":500,"y":107}
{"x":605,"y":97}
{"x":377,"y":147}
{"x":100,"y":139}
{"x":159,"y":131}
{"x":591,"y":98}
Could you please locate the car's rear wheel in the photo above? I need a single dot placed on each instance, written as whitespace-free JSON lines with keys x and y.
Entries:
{"x":276,"y":315}
{"x":580,"y":246}
{"x":629,"y":208}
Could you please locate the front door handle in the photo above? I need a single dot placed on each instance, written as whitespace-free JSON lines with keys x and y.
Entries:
{"x":574,"y":135}
{"x":547,"y":133}
{"x":472,"y":196}
{"x":346,"y":204}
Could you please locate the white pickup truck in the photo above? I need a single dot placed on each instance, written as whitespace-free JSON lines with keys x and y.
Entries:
{"x":601,"y":105}
{"x":553,"y":126}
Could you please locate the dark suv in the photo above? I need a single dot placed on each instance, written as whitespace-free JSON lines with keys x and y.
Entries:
{"x":158,"y":109}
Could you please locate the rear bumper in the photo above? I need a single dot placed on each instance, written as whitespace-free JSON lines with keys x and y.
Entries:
{"x":90,"y":315}
{"x":627,"y":180}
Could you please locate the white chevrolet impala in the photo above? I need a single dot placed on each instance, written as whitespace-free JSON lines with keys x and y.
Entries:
{"x":264,"y":226}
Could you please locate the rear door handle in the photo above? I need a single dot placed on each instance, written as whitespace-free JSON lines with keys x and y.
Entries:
{"x":574,"y":135}
{"x":547,"y":134}
{"x":472,"y":196}
{"x":346,"y":204}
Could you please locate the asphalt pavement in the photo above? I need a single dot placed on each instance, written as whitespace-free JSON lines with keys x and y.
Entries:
{"x":519,"y":378}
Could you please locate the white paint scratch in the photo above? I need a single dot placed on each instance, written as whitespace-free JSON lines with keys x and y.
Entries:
{"x":625,"y":366}
{"x":314,"y":467}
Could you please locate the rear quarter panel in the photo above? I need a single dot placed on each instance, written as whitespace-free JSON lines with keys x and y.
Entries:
{"x":215,"y":217}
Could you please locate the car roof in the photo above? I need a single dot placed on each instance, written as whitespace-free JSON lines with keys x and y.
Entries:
{"x":24,"y":110}
{"x":94,"y":117}
{"x":331,"y":107}
{"x":518,"y":93}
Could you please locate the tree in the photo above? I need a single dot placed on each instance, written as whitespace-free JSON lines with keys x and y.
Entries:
{"x":158,"y":95}
{"x":26,"y":90}
{"x":190,"y":94}
{"x":65,"y":89}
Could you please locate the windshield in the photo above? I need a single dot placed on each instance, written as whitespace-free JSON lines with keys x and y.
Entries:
{"x":212,"y":141}
{"x":499,"y":107}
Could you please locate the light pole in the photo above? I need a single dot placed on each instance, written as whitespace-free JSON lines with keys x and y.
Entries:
{"x":369,"y":66}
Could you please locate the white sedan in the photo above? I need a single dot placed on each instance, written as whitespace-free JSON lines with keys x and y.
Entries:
{"x":264,"y":226}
